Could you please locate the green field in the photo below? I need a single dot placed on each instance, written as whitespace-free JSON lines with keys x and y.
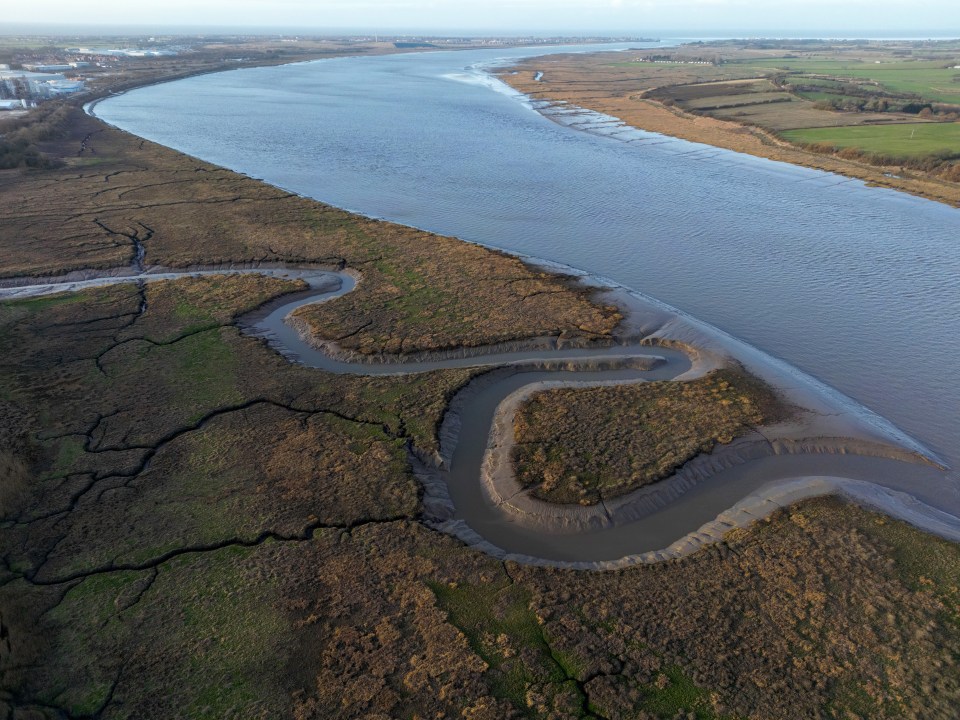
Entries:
{"x":905,"y":140}
{"x":930,"y":80}
{"x":825,"y":96}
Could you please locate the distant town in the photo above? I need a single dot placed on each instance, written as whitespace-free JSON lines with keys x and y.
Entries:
{"x":47,"y":74}
{"x":48,"y":68}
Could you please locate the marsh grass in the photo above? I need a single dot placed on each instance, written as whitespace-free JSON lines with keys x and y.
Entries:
{"x":576,"y":445}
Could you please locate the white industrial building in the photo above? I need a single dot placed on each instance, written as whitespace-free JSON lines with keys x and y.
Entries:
{"x":27,"y":85}
{"x":120,"y":52}
{"x":48,"y":68}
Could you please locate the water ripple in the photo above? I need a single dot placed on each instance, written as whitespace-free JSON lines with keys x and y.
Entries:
{"x":857,"y":286}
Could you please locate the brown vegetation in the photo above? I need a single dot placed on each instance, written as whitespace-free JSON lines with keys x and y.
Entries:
{"x":815,"y":613}
{"x":584,"y":445}
{"x":490,"y":298}
{"x":612,"y":84}
{"x":419,"y":291}
{"x":191,"y":526}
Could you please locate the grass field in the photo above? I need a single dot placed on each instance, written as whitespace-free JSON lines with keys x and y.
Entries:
{"x":929,"y":80}
{"x":852,"y":84}
{"x":729,"y":104}
{"x":907,"y":140}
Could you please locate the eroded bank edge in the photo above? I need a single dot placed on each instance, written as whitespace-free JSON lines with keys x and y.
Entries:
{"x":437,"y":503}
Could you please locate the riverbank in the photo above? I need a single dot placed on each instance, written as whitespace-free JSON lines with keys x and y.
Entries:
{"x":595,"y":83}
{"x":562,"y":314}
{"x":195,"y":526}
{"x":825,"y":428}
{"x":544,"y":306}
{"x":456,"y":474}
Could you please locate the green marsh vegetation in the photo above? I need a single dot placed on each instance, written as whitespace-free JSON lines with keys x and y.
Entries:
{"x":584,"y":445}
{"x":191,"y":526}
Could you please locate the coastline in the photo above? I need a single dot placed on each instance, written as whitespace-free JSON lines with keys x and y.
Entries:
{"x":652,"y":116}
{"x":197,"y":521}
{"x":672,"y":329}
{"x":803,"y":234}
{"x":762,"y":505}
{"x":811,"y":433}
{"x":88,"y":102}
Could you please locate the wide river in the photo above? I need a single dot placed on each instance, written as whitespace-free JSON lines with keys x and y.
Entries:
{"x":859,"y":287}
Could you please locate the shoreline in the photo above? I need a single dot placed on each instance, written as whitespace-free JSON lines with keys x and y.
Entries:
{"x":170,"y":459}
{"x":687,"y":332}
{"x":502,"y":488}
{"x":647,"y":322}
{"x":651,"y":116}
{"x":762,"y":505}
{"x":88,"y":103}
{"x":811,"y":434}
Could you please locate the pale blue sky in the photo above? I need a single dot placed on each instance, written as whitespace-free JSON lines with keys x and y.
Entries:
{"x":573,"y":16}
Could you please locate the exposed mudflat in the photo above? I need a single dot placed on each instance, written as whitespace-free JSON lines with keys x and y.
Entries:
{"x":830,"y":445}
{"x":584,"y":190}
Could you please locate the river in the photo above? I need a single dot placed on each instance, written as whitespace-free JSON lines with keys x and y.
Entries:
{"x":858,"y":287}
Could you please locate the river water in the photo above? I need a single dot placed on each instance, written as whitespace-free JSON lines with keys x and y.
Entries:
{"x":859,"y":287}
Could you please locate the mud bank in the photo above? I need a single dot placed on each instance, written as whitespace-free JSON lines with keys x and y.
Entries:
{"x":830,"y":445}
{"x":754,"y":508}
{"x":645,"y":120}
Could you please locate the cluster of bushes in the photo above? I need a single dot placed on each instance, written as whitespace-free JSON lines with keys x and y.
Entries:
{"x":19,"y":154}
{"x":18,"y":144}
{"x":943,"y":164}
{"x":847,"y":103}
{"x":855,"y":97}
{"x":950,"y":172}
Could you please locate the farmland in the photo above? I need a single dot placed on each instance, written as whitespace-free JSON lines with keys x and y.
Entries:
{"x":908,"y":140}
{"x":930,"y":80}
{"x":883,"y":112}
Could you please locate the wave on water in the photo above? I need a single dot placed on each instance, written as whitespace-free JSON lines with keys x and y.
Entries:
{"x":479,"y":75}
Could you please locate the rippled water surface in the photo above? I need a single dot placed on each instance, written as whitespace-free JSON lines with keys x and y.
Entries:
{"x":859,"y":287}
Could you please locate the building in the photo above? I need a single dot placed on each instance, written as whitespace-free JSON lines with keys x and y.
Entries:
{"x":47,"y":68}
{"x":120,"y":52}
{"x":28,"y":85}
{"x":55,"y":88}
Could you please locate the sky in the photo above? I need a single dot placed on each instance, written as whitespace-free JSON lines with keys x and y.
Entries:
{"x":627,"y":17}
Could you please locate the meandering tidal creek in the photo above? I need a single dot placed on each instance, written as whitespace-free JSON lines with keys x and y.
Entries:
{"x":857,"y":287}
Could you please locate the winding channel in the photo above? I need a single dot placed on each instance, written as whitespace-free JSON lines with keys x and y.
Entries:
{"x":469,"y":491}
